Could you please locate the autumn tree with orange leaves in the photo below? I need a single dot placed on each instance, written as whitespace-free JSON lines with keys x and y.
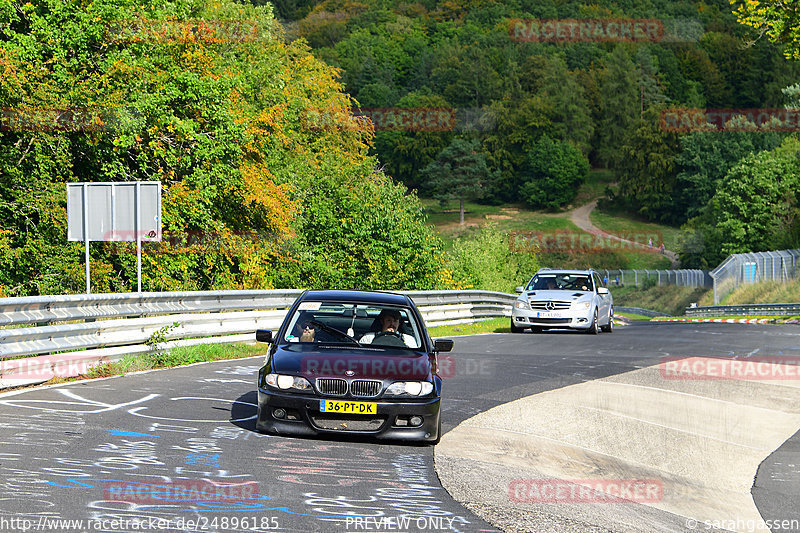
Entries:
{"x":266,"y":178}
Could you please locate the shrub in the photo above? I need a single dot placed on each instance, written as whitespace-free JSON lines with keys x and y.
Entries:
{"x":485,"y":261}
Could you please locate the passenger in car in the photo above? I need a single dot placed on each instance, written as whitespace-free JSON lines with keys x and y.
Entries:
{"x":390,"y":325}
{"x":307,"y":333}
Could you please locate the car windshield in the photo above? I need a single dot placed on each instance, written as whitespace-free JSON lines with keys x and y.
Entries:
{"x":565,"y":282}
{"x":353,"y":324}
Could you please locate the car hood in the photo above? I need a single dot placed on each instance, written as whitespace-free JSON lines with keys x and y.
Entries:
{"x":351,"y":362}
{"x":555,"y":295}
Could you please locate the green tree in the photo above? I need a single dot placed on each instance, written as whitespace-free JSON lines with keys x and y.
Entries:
{"x":571,"y":114}
{"x":556,"y":170}
{"x":706,"y":157}
{"x":647,"y":168}
{"x":406,"y":152}
{"x":756,"y":205}
{"x":458,"y":173}
{"x":651,"y":91}
{"x":519,"y":124}
{"x":619,"y":107}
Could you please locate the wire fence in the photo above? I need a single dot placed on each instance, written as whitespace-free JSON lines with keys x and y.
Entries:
{"x":644,"y":277}
{"x":739,"y":269}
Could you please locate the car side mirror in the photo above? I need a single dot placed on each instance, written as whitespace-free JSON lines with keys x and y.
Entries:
{"x":264,"y":335}
{"x":519,"y":289}
{"x":602,"y":290}
{"x":442,"y":345}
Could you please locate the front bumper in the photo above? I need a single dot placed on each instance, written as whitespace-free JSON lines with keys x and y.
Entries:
{"x":303,"y":417}
{"x":567,"y":319}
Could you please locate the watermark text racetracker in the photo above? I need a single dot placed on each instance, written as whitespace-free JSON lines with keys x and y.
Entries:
{"x":144,"y":29}
{"x":50,"y":119}
{"x":713,"y":368}
{"x":605,"y":30}
{"x":181,"y":490}
{"x":586,"y":491}
{"x":685,"y":120}
{"x":44,"y":368}
{"x":401,"y":367}
{"x":187,"y":242}
{"x":430,"y":119}
{"x":569,"y":241}
{"x":583,"y":30}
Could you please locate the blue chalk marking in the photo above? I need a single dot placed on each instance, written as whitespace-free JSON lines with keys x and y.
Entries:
{"x":118,"y":433}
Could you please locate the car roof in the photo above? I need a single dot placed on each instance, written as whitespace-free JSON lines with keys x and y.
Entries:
{"x":367,"y":297}
{"x":555,"y":271}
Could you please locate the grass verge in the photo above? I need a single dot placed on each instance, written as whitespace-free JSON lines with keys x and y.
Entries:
{"x":495,"y":325}
{"x":633,"y":317}
{"x":507,"y":218}
{"x":767,"y":292}
{"x":618,"y":222}
{"x":667,"y":299}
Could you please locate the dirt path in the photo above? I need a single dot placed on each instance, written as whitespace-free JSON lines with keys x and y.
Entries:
{"x":580,"y":217}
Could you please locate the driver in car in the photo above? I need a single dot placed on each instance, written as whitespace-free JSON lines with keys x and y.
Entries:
{"x":390,"y":322}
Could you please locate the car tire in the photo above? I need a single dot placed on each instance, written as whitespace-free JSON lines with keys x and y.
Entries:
{"x":593,"y":329}
{"x":515,"y":329}
{"x":610,"y":327}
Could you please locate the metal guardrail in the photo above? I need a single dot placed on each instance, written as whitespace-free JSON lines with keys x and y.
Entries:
{"x":744,"y":310}
{"x":85,"y":330}
{"x":44,"y":310}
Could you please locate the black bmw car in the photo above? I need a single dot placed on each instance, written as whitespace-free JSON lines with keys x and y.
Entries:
{"x":351,"y":362}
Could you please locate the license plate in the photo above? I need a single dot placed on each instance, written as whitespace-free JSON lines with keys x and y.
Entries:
{"x":546,"y":314}
{"x":336,"y":406}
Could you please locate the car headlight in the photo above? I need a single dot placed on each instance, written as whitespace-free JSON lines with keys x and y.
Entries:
{"x":284,"y":382}
{"x":409,"y":388}
{"x":519,"y":304}
{"x":582,"y":305}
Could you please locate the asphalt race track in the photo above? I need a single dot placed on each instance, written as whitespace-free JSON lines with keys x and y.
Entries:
{"x":176,"y":450}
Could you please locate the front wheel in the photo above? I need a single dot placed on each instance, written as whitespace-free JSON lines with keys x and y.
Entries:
{"x":593,"y":329}
{"x":515,"y":329}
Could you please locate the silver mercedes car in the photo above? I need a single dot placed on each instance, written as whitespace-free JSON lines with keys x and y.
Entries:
{"x":566,"y":299}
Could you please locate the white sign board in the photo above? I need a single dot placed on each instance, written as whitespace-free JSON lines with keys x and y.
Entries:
{"x":124,"y":211}
{"x":110,"y":210}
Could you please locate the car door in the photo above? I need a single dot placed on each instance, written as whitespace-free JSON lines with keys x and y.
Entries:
{"x":603,"y":300}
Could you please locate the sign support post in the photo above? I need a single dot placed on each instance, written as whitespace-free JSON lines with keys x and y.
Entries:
{"x":138,"y":207}
{"x":85,"y":233}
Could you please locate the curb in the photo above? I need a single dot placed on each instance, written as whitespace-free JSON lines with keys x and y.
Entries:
{"x":723,"y":320}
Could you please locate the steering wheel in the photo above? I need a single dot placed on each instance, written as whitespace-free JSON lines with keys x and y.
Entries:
{"x":389,"y":338}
